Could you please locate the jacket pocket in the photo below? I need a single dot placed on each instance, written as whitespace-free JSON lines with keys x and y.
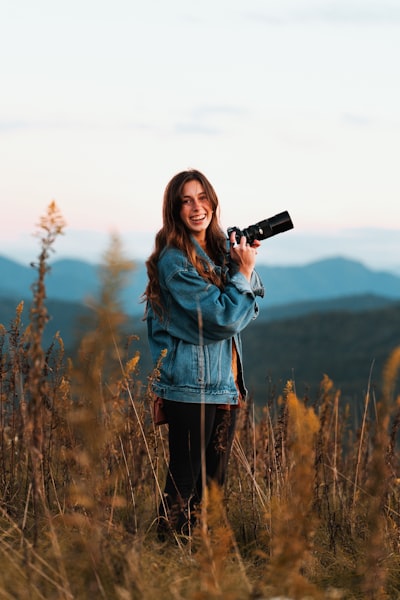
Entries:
{"x":183,"y":365}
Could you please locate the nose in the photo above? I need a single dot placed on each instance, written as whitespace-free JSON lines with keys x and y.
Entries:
{"x":196,"y":203}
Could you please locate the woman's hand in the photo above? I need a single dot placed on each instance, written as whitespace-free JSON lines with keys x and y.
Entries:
{"x":243,"y":254}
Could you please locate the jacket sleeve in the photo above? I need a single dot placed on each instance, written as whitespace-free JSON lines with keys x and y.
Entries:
{"x":198,"y":311}
{"x":256,"y":284}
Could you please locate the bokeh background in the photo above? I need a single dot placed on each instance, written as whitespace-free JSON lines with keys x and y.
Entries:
{"x":284,"y":104}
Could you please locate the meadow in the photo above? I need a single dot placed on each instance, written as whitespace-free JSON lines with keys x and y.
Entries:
{"x":311,"y":508}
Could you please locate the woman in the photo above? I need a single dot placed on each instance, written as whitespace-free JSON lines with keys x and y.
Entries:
{"x":200,"y":296}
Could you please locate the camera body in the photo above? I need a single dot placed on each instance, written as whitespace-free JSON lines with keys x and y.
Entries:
{"x":264,"y":229}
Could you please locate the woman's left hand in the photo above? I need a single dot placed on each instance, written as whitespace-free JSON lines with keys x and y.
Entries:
{"x":243,"y":254}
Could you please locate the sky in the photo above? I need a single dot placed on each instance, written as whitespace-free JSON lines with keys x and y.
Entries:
{"x":283,"y":104}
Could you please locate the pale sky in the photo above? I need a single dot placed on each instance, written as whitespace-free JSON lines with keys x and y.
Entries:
{"x":284,"y":105}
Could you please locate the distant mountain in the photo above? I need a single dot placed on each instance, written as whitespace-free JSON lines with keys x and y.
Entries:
{"x":75,"y":280}
{"x":345,"y":304}
{"x":324,"y":279}
{"x":348,"y":347}
{"x":329,"y":338}
{"x":72,"y":318}
{"x":70,"y":280}
{"x":67,"y":318}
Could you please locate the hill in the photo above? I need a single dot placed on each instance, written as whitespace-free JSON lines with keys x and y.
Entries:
{"x":333,"y":316}
{"x":343,"y":340}
{"x":74,"y":280}
{"x":351,"y":304}
{"x":342,"y":344}
{"x":329,"y":278}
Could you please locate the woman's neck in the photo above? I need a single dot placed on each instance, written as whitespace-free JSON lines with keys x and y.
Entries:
{"x":202,"y":241}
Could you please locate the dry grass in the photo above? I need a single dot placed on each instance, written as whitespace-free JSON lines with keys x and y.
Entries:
{"x":311,"y":508}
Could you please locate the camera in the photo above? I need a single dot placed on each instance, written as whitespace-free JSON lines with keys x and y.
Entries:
{"x":264,"y":229}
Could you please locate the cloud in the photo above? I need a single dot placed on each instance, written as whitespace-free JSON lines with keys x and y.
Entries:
{"x":342,"y":11}
{"x":190,"y":128}
{"x":208,"y":120}
{"x":356,"y":120}
{"x":12,"y":126}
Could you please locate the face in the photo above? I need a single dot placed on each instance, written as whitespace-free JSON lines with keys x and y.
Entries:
{"x":196,"y":212}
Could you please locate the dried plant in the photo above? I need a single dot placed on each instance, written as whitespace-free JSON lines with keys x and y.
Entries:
{"x":311,"y":508}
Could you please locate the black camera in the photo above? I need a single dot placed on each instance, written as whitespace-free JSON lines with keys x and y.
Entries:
{"x":264,"y":229}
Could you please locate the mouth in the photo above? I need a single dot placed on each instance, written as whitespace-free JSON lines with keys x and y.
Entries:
{"x":198,"y":219}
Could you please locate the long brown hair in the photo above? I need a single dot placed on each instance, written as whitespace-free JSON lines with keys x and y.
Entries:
{"x":174,"y":233}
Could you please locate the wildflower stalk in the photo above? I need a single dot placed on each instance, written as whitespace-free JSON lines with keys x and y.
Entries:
{"x":33,"y":401}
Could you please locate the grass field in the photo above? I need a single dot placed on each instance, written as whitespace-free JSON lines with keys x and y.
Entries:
{"x":311,"y":508}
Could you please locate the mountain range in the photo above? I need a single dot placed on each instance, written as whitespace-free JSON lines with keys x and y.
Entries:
{"x":332,"y":316}
{"x":329,"y":279}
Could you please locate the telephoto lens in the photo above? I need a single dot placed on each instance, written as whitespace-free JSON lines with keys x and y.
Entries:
{"x":264,"y":229}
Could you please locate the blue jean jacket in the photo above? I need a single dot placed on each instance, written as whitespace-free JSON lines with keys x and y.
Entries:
{"x":199,"y":326}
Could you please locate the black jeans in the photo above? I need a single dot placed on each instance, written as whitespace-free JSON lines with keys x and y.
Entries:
{"x":183,"y":488}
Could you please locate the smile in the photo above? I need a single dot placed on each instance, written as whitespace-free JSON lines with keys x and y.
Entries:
{"x":198,"y":219}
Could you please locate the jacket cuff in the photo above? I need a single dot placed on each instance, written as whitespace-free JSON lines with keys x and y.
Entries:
{"x":257,"y":285}
{"x":241,"y":283}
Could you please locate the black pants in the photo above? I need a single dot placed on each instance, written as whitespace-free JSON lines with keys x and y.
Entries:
{"x":183,"y":488}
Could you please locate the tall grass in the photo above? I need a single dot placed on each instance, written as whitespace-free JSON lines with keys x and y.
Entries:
{"x":310,"y":509}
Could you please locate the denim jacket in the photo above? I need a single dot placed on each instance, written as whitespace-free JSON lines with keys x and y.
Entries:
{"x":199,"y":325}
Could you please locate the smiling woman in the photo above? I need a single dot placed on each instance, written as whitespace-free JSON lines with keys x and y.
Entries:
{"x":196,"y":212}
{"x":200,"y":295}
